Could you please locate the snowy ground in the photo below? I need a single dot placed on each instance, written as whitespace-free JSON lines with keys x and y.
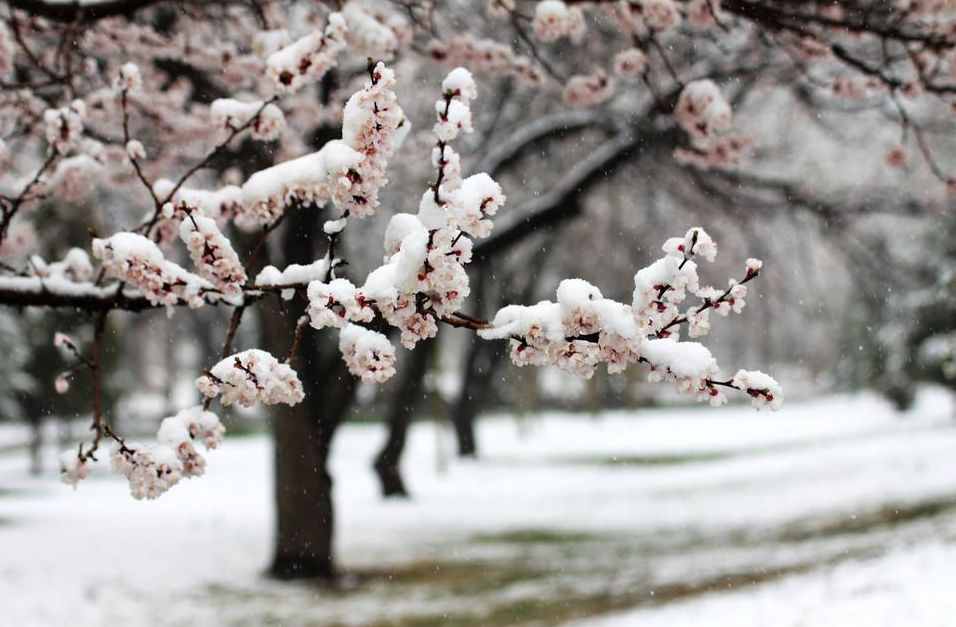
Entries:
{"x":833,"y":512}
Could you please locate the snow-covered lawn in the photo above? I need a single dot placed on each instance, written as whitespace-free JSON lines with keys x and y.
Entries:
{"x":833,"y":512}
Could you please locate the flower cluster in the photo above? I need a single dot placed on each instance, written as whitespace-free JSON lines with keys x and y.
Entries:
{"x":764,"y":391}
{"x":266,"y":120}
{"x":553,"y":19}
{"x":73,"y":468}
{"x":64,"y":126}
{"x":316,"y":177}
{"x":583,"y":329}
{"x":151,"y":471}
{"x":368,"y":354}
{"x":702,"y":111}
{"x":212,"y":254}
{"x":374,"y":125}
{"x":180,"y":431}
{"x":630,"y":63}
{"x":706,"y":115}
{"x":335,"y":303}
{"x":588,"y":90}
{"x":309,"y":58}
{"x":250,"y":376}
{"x":637,"y":15}
{"x":373,"y":35}
{"x":129,"y":79}
{"x":486,"y":56}
{"x":138,"y":261}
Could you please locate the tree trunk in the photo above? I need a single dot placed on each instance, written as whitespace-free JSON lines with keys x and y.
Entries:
{"x":387,"y":464}
{"x":475,"y":383}
{"x":305,"y":521}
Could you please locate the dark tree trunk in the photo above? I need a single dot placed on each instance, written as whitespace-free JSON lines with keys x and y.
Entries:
{"x":410,"y":392}
{"x":305,"y":521}
{"x":303,"y":434}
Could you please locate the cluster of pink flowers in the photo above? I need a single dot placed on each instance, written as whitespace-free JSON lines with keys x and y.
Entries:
{"x":553,"y":19}
{"x":706,"y":115}
{"x":336,"y":303}
{"x":702,"y":110}
{"x":129,"y":79}
{"x":763,"y":390}
{"x":374,"y":32}
{"x":724,"y":152}
{"x":267,"y":120}
{"x":637,"y":15}
{"x":316,"y":177}
{"x":136,"y":260}
{"x":309,"y":58}
{"x":151,"y":471}
{"x":368,"y":354}
{"x":180,"y":431}
{"x":374,"y":125}
{"x":251,"y":376}
{"x":630,"y":63}
{"x":73,"y":469}
{"x":486,"y":56}
{"x":423,"y":278}
{"x":212,"y":254}
{"x":64,"y":126}
{"x":588,"y":90}
{"x":583,"y":329}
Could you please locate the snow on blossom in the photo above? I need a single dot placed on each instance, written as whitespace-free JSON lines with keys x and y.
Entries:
{"x":72,"y":468}
{"x":368,"y":354}
{"x":696,"y":242}
{"x":702,"y":110}
{"x":250,"y":376}
{"x":477,"y":198}
{"x":553,"y":19}
{"x":763,"y":389}
{"x":129,"y":79}
{"x":454,"y":117}
{"x":151,"y":471}
{"x":212,"y":254}
{"x":460,"y":83}
{"x":366,"y":33}
{"x":336,"y":303}
{"x":64,"y":126}
{"x":630,"y":63}
{"x":374,"y":125}
{"x":138,"y":261}
{"x":316,"y":177}
{"x":588,"y":90}
{"x":180,"y":431}
{"x":267,"y":120}
{"x":135,"y":150}
{"x":307,"y":59}
{"x":220,"y":205}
